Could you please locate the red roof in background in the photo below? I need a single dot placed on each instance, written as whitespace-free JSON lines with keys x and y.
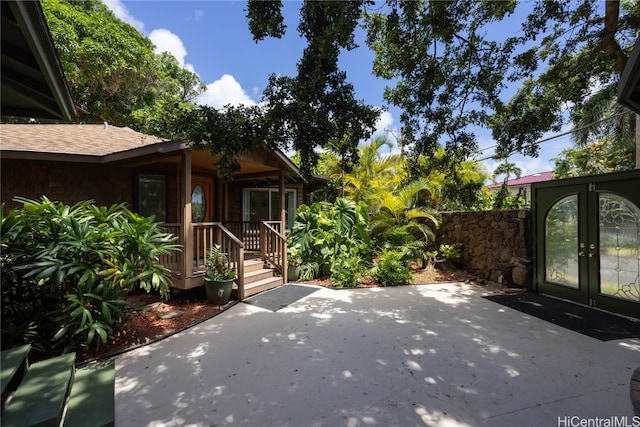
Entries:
{"x":528,"y":179}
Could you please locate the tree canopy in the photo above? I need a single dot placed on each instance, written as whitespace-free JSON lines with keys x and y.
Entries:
{"x":452,"y":62}
{"x":113,"y":73}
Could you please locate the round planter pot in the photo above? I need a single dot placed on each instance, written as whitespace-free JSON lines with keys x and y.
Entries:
{"x":218,"y":293}
{"x":293,"y":273}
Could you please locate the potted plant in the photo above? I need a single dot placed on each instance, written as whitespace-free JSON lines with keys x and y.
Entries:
{"x":293,"y":263}
{"x":218,"y":280}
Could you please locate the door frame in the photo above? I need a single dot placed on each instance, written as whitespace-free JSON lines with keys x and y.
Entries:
{"x":588,"y":271}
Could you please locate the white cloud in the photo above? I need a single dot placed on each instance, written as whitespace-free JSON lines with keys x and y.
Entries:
{"x":121,"y":12}
{"x":225,"y":91}
{"x":166,"y":41}
{"x":384,"y":122}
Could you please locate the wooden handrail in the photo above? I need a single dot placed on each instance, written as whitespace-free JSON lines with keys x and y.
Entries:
{"x":273,"y":247}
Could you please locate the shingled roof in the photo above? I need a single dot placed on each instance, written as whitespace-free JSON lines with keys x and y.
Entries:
{"x":98,"y":141}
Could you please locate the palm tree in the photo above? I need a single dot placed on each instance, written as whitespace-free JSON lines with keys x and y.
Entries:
{"x":374,"y":173}
{"x":398,"y":221}
{"x":507,"y":169}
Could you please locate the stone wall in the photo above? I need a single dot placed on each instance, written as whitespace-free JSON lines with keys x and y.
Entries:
{"x":494,"y":244}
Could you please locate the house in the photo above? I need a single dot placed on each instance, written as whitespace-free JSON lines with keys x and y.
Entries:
{"x":522,"y":186}
{"x":72,"y":162}
{"x":108,"y":164}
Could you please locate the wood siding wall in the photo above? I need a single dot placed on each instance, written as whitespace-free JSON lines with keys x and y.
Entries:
{"x":65,"y":182}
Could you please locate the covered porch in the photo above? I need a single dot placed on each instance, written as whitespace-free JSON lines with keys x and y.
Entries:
{"x":179,"y":186}
{"x":203,"y":210}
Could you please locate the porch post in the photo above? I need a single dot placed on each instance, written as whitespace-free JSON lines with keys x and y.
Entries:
{"x":283,"y":211}
{"x":283,"y":224}
{"x":185,"y":201}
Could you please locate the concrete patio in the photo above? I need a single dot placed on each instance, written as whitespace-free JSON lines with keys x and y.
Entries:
{"x":424,"y":355}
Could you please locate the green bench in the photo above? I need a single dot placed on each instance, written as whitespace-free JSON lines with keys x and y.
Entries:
{"x":54,"y":391}
{"x":13,"y":364}
{"x":41,"y":396}
{"x":91,"y":403}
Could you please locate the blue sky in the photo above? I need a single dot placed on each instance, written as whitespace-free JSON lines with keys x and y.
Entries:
{"x":212,"y":39}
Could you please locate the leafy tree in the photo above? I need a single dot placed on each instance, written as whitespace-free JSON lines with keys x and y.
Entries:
{"x":605,"y":137}
{"x":112,"y":71}
{"x":317,"y":107}
{"x":598,"y":157}
{"x":462,"y":190}
{"x":450,"y":72}
{"x":66,"y":269}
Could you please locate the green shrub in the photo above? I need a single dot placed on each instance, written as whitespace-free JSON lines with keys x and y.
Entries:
{"x":451,"y":252}
{"x":392,"y":269}
{"x":323,"y":232}
{"x":346,"y":269}
{"x":66,"y":270}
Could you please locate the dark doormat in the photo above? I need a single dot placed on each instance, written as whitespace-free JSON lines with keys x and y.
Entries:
{"x":280,"y":297}
{"x":582,"y":319}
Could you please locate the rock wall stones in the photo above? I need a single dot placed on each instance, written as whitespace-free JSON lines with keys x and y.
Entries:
{"x":495,"y":244}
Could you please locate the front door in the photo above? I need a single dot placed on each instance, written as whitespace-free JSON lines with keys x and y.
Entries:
{"x":201,"y":198}
{"x":587,"y":241}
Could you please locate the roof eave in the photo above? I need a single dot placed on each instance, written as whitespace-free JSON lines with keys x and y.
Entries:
{"x":31,"y":20}
{"x":628,"y":87}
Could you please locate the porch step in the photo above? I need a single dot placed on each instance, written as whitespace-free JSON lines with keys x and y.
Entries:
{"x":257,"y":275}
{"x":252,"y":265}
{"x":262,"y":285}
{"x":14,"y":364}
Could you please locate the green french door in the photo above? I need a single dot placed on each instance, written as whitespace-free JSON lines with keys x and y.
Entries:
{"x":587,"y":241}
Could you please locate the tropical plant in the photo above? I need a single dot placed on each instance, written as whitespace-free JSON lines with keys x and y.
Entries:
{"x":218,"y":268}
{"x":391,"y":268}
{"x":451,"y":252}
{"x":398,"y":221}
{"x":346,"y":269}
{"x":325,"y":232}
{"x":374,"y":173}
{"x":66,"y":270}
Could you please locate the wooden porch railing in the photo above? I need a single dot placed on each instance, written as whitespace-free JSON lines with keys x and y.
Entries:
{"x":247,"y":231}
{"x":273,"y":246}
{"x":172,"y":261}
{"x":204,"y":236}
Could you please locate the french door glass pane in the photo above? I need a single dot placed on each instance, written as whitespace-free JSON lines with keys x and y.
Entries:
{"x":619,"y":231}
{"x":561,"y":243}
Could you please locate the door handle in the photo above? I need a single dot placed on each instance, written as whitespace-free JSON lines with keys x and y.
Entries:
{"x":581,"y":253}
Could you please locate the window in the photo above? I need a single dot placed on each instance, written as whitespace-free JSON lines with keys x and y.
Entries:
{"x":262,"y":204}
{"x":198,"y":204}
{"x":152,"y":196}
